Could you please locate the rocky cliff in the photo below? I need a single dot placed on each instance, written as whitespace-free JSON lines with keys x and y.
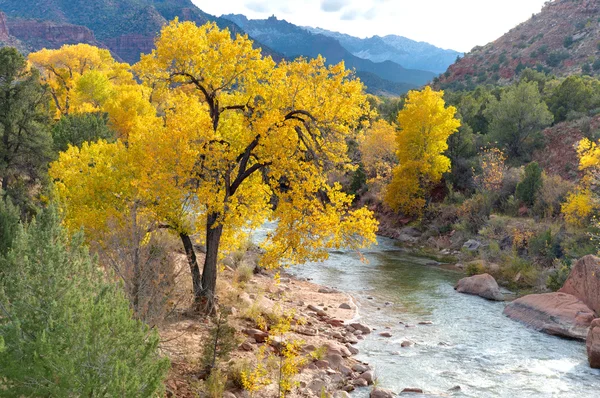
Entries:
{"x":562,"y":39}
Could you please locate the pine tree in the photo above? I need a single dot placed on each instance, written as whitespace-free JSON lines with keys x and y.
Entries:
{"x":66,"y":331}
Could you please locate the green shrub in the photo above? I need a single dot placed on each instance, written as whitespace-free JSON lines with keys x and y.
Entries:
{"x":546,"y":246}
{"x":9,"y":224}
{"x":67,"y":331}
{"x":528,"y":188}
{"x":475,"y":212}
{"x":551,"y":195}
{"x":557,"y":279}
{"x":475,"y":268}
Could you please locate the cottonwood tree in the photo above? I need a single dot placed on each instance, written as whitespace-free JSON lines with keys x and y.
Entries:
{"x":237,"y":140}
{"x":425,"y":125}
{"x":85,"y":79}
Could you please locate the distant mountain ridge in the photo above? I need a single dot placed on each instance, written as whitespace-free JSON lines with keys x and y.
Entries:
{"x":562,"y":39}
{"x":129,"y":27}
{"x":292,"y":41}
{"x":406,"y":52}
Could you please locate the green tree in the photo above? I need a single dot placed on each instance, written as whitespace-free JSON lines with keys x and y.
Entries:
{"x":9,"y":222}
{"x":517,"y":119}
{"x":75,"y":129}
{"x":574,"y":94}
{"x":26,"y":144}
{"x":531,"y":184}
{"x":67,"y":331}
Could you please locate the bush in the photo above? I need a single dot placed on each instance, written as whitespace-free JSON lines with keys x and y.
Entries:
{"x":475,"y":268}
{"x":67,"y":331}
{"x":546,"y":246}
{"x":475,"y":212}
{"x":551,"y":195}
{"x":9,"y":224}
{"x":557,"y":279}
{"x":528,"y":188}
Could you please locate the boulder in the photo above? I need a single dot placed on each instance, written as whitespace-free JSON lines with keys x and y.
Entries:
{"x":472,"y":245}
{"x":385,"y":334}
{"x":483,"y":285}
{"x":558,"y":314}
{"x":584,"y":282}
{"x":381,"y":393}
{"x":363,"y":328}
{"x":328,"y":290}
{"x":257,"y":335}
{"x":593,"y":344}
{"x":341,"y":394}
{"x":368,"y":376}
{"x":345,"y":306}
{"x":413,"y":390}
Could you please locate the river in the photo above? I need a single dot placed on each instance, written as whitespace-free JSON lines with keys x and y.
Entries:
{"x":470,"y":343}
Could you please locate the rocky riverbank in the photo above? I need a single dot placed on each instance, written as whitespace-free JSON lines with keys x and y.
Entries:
{"x":323,"y":323}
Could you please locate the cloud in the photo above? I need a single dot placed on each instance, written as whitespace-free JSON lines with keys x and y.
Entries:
{"x":333,"y":5}
{"x":257,"y":6}
{"x":350,"y":15}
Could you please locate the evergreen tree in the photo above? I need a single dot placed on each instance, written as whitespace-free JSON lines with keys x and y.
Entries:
{"x":75,"y":129}
{"x":66,"y":331}
{"x":531,"y":184}
{"x":25,"y":141}
{"x":517,"y":119}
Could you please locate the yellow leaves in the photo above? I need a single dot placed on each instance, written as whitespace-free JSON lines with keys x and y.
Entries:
{"x":579,"y":207}
{"x":492,"y":169}
{"x":582,"y":204}
{"x":425,"y":125}
{"x":377,"y":148}
{"x":226,"y":132}
{"x":83,"y":78}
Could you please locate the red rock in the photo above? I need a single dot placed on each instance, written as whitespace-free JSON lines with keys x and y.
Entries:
{"x":593,"y":344}
{"x":483,"y":285}
{"x":363,"y":328}
{"x":385,"y":334}
{"x":380,"y":393}
{"x":557,"y":314}
{"x":257,"y":335}
{"x":413,"y":390}
{"x":54,"y":33}
{"x":335,"y":322}
{"x":584,"y":282}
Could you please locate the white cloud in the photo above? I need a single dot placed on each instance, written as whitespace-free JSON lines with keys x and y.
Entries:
{"x":458,"y":24}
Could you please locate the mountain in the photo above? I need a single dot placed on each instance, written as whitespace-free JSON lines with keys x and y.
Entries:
{"x":406,"y":52}
{"x":563,"y":39}
{"x":127,"y":27}
{"x":293,"y":41}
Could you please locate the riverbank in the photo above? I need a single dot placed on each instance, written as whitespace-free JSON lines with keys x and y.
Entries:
{"x":320,"y":319}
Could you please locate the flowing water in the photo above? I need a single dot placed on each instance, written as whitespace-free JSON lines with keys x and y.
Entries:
{"x":470,"y":344}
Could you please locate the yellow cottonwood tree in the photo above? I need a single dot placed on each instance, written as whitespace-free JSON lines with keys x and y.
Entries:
{"x":377,"y":148}
{"x":425,"y":125}
{"x":83,"y":78}
{"x":584,"y":202}
{"x":239,"y":140}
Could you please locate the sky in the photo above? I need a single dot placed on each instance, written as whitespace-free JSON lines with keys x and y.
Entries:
{"x":452,"y":24}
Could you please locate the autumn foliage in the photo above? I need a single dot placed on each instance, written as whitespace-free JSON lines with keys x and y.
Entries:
{"x":233,"y":140}
{"x":425,"y":125}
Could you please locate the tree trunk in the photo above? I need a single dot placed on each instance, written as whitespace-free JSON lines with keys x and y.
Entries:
{"x":193,"y":263}
{"x":209,"y":273}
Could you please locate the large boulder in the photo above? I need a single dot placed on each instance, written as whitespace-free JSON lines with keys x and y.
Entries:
{"x":472,"y":245}
{"x":593,"y":344}
{"x":584,"y":282}
{"x":483,"y":285}
{"x":381,"y":393}
{"x":559,"y":314}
